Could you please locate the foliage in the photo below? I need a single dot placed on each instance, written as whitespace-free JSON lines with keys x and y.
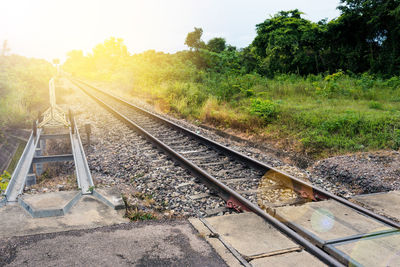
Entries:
{"x":329,"y":86}
{"x":266,"y":109}
{"x":4,"y":180}
{"x":216,"y":45}
{"x":193,"y":39}
{"x":288,"y":43}
{"x":23,"y":89}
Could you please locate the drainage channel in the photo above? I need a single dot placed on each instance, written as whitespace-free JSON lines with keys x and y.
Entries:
{"x":52,"y":124}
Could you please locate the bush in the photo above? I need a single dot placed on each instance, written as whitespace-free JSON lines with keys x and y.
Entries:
{"x":4,"y":179}
{"x":266,"y":109}
{"x":375,"y":105}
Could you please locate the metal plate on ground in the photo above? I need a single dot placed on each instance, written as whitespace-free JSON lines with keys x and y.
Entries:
{"x":381,"y":250}
{"x":330,"y":220}
{"x":382,"y":203}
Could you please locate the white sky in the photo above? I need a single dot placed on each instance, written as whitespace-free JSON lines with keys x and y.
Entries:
{"x":50,"y":28}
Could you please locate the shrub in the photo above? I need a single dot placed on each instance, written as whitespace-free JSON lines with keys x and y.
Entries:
{"x":266,"y":109}
{"x":4,"y":179}
{"x":375,"y":105}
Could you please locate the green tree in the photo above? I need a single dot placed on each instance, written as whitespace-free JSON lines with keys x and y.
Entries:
{"x":366,"y":36}
{"x":288,"y":43}
{"x":216,"y":44}
{"x":193,"y":39}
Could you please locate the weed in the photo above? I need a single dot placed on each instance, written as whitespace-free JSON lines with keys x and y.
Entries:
{"x":133,"y":213}
{"x":266,"y":109}
{"x":375,"y":105}
{"x":4,"y":180}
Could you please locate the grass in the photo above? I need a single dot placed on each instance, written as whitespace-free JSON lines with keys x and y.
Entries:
{"x":16,"y":157}
{"x":324,"y":115}
{"x":4,"y":180}
{"x":133,"y":213}
{"x":320,"y":115}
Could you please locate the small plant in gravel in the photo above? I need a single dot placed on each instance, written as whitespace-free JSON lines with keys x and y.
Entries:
{"x":138,"y":215}
{"x":133,"y":213}
{"x":136,"y":176}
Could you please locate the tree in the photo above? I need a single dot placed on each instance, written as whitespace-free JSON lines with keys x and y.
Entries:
{"x":288,"y":43}
{"x":108,"y":55}
{"x":216,"y":44}
{"x":193,"y":39}
{"x":367,"y":35}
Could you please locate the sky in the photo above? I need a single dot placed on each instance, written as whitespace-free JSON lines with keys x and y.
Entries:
{"x":50,"y":28}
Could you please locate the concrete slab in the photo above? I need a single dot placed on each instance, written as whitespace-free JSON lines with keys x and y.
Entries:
{"x":222,"y":251}
{"x":110,"y":196}
{"x":386,"y":204}
{"x":249,"y":234}
{"x":88,"y":212}
{"x":381,"y":250}
{"x":49,"y":204}
{"x":328,"y":220}
{"x":146,"y":243}
{"x":52,"y":200}
{"x":301,"y":258}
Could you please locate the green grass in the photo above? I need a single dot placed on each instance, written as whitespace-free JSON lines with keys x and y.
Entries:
{"x":320,"y":115}
{"x":326,"y":115}
{"x":4,"y":180}
{"x":16,"y":157}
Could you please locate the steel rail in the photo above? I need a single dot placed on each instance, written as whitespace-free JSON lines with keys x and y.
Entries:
{"x":298,"y":184}
{"x":215,"y":183}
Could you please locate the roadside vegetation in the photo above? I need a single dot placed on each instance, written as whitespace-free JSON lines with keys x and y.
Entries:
{"x":322,"y":88}
{"x":4,"y":180}
{"x":23,"y":89}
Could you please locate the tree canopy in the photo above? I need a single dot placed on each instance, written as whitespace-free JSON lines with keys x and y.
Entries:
{"x":193,"y":39}
{"x":216,"y":44}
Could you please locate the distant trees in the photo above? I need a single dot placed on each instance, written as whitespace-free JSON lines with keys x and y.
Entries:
{"x":105,"y":58}
{"x":364,"y":38}
{"x":216,"y":44}
{"x":193,"y":39}
{"x":288,"y":43}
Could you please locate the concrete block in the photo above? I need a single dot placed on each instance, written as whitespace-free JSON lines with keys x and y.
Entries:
{"x":302,"y":258}
{"x":87,"y":213}
{"x":110,"y":196}
{"x":381,"y":250}
{"x":382,"y":203}
{"x":328,"y":220}
{"x":49,"y":204}
{"x":249,"y":234}
{"x":221,"y":250}
{"x":30,"y":179}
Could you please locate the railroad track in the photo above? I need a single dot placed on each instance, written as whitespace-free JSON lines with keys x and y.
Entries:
{"x":228,"y":172}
